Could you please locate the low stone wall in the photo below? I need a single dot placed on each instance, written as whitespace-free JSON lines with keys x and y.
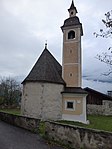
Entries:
{"x":104,"y":109}
{"x":72,"y":136}
{"x":77,"y":137}
{"x":21,"y":121}
{"x":94,"y":109}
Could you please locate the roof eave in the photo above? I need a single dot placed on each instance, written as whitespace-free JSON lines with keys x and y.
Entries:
{"x":43,"y":81}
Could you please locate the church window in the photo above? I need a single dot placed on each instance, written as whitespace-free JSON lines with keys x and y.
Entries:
{"x":70,"y":105}
{"x":72,"y":13}
{"x":71,"y":74}
{"x":71,"y":35}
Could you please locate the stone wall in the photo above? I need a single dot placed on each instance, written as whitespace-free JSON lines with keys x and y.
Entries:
{"x":77,"y":137}
{"x":21,"y":121}
{"x":72,"y":136}
{"x":104,"y":109}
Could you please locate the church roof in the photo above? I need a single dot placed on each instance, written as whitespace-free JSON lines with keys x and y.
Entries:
{"x":77,"y":90}
{"x":46,"y":69}
{"x":72,"y":21}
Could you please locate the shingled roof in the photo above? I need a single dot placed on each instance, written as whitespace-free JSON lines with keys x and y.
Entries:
{"x":46,"y":69}
{"x":72,"y":21}
{"x":98,"y":94}
{"x":77,"y":90}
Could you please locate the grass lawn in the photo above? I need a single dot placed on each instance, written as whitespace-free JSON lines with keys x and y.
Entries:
{"x":11,"y":111}
{"x":96,"y":122}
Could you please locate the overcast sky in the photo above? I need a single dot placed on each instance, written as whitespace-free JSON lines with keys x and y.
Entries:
{"x":25,"y":25}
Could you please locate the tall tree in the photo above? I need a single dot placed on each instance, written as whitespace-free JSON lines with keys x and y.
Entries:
{"x":106,"y":57}
{"x":10,"y":91}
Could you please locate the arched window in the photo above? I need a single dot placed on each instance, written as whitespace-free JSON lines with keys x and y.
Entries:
{"x":71,"y":13}
{"x":71,"y":35}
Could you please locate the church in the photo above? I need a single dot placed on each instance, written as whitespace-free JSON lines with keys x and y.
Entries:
{"x":52,"y":91}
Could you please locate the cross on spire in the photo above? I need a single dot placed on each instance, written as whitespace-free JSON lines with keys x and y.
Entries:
{"x":46,"y":44}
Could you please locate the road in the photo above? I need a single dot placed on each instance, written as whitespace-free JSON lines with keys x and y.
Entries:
{"x":12,"y":137}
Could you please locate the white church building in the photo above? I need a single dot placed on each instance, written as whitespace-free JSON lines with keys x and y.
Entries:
{"x":52,"y":91}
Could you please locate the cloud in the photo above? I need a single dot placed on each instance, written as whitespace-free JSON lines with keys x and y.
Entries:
{"x":25,"y":25}
{"x":97,"y":85}
{"x":17,"y":45}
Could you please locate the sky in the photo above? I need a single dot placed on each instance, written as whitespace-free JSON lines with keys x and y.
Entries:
{"x":25,"y":25}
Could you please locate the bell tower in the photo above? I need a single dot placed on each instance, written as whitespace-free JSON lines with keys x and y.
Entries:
{"x":71,"y":65}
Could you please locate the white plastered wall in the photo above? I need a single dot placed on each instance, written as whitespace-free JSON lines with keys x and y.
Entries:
{"x":42,"y":100}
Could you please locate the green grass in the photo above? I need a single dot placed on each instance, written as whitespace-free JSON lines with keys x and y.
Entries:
{"x":11,"y":111}
{"x":96,"y":122}
{"x":42,"y":129}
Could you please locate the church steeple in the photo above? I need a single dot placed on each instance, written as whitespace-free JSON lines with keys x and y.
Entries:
{"x":72,"y":10}
{"x":72,"y":32}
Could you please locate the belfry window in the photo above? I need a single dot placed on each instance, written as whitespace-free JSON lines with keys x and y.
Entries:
{"x":72,"y":13}
{"x":71,"y":35}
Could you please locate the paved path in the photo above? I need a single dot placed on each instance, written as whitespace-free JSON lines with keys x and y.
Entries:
{"x":16,"y":138}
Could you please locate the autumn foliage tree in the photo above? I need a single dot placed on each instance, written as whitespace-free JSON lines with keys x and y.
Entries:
{"x":106,"y":57}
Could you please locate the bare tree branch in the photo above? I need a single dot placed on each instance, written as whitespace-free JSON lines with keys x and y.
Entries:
{"x":106,"y":57}
{"x":108,"y":24}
